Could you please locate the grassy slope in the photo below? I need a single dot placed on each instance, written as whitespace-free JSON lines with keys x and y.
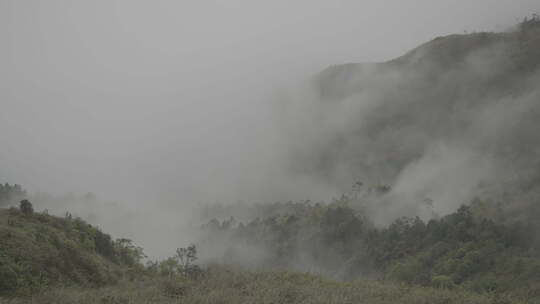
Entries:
{"x":40,"y":250}
{"x":228,"y":286}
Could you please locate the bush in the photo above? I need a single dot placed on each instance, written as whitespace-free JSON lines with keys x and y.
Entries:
{"x":180,"y":264}
{"x":442,"y":281}
{"x":8,"y":278}
{"x":26,"y":207}
{"x":485,"y":283}
{"x":410,"y":271}
{"x":173,"y":288}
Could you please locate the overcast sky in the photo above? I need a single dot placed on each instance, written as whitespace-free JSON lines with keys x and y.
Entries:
{"x":170,"y":99}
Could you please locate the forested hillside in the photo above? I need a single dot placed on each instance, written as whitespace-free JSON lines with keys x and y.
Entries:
{"x":39,"y":251}
{"x":464,"y":249}
{"x":454,"y":119}
{"x":448,"y":135}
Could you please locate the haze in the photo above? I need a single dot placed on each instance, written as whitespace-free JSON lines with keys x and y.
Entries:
{"x":167,"y":103}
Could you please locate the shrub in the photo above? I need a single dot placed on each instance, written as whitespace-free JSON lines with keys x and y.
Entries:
{"x":442,"y":281}
{"x":26,"y":207}
{"x":410,"y":271}
{"x":186,"y":256}
{"x":8,"y":278}
{"x":173,"y":288}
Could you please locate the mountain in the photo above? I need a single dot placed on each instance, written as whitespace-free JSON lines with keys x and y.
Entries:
{"x":454,"y":119}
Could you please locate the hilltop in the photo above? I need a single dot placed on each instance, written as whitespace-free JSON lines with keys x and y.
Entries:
{"x":517,"y":51}
{"x":38,"y":251}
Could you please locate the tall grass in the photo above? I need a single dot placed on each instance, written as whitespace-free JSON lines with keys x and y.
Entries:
{"x":220,"y":285}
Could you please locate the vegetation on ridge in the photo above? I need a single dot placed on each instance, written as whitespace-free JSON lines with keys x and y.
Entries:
{"x":38,"y":250}
{"x":463,"y":249}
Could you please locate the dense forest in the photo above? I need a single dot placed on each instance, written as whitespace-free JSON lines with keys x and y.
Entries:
{"x":466,"y":248}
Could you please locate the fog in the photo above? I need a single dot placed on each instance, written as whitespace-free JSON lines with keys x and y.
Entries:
{"x":159,"y":105}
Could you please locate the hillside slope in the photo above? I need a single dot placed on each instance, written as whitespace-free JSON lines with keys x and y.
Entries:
{"x":517,"y":52}
{"x":451,"y":120}
{"x":47,"y":259}
{"x":38,"y":251}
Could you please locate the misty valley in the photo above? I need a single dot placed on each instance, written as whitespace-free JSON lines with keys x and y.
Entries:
{"x":413,"y":180}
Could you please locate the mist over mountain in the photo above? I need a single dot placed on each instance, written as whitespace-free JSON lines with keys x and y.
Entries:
{"x":452,"y":119}
{"x":276,"y":152}
{"x":444,"y":135}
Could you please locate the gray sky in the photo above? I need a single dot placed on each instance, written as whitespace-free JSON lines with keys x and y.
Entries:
{"x":170,"y":100}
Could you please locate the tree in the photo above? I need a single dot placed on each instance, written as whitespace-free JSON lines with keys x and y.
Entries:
{"x":169,"y":267}
{"x":180,"y":264}
{"x":128,"y":253}
{"x":186,"y":256}
{"x":530,"y":23}
{"x":26,"y":207}
{"x":104,"y":244}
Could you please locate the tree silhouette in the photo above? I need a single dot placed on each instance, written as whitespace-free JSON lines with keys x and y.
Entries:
{"x":26,"y":207}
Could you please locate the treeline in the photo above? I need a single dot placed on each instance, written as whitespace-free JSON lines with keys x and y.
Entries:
{"x":532,"y":22}
{"x":464,"y":248}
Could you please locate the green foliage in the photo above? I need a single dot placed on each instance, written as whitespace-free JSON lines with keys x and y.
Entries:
{"x":26,"y":207}
{"x":229,"y":286}
{"x":410,"y":270}
{"x":169,"y":267}
{"x":461,"y":249}
{"x":442,"y":281}
{"x":181,"y":264}
{"x":40,"y":251}
{"x":127,"y":253}
{"x":104,"y":244}
{"x":8,"y":275}
{"x":187,"y":256}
